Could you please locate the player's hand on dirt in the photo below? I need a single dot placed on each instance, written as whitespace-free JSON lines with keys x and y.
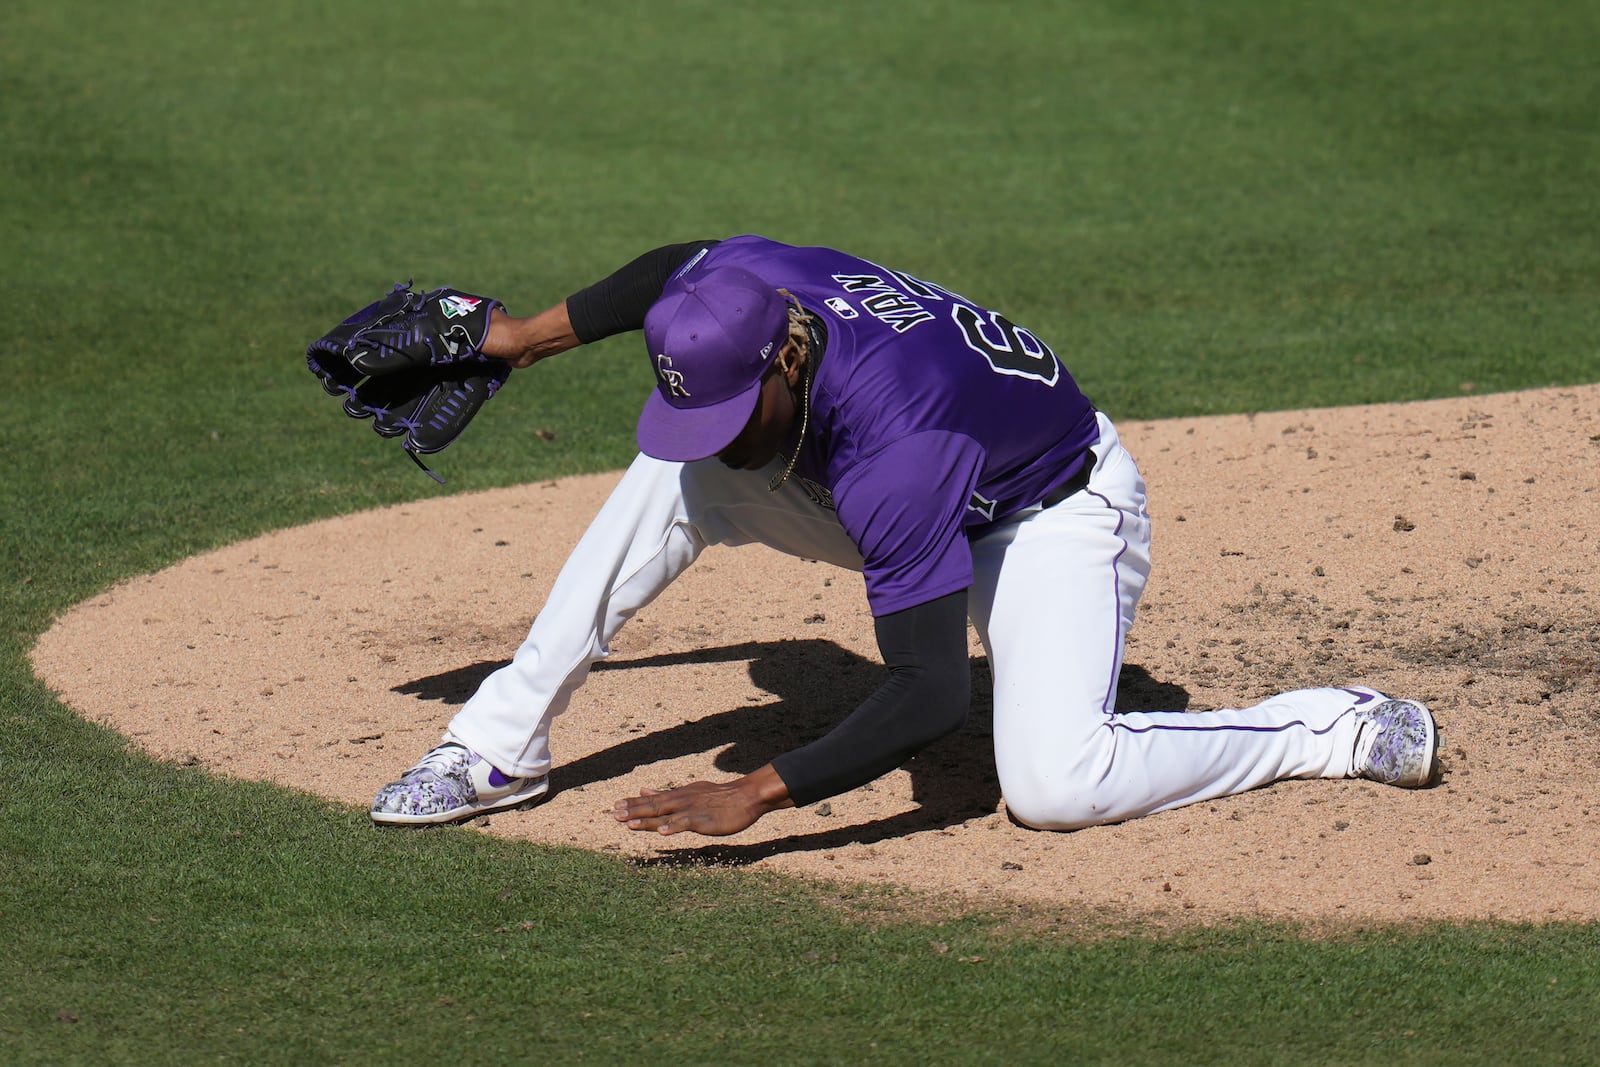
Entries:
{"x":715,"y":809}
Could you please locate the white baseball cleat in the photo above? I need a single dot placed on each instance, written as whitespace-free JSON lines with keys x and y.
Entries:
{"x":1397,"y":743}
{"x":452,"y":783}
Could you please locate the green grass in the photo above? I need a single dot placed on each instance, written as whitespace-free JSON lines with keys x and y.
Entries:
{"x":1207,"y":207}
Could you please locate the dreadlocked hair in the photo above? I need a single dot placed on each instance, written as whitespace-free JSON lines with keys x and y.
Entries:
{"x":799,"y":334}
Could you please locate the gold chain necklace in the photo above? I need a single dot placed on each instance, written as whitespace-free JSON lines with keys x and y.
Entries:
{"x":805,"y":418}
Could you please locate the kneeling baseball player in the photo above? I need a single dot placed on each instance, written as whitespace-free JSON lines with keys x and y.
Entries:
{"x":837,"y":410}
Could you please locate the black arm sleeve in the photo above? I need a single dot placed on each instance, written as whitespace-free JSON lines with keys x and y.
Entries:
{"x":617,"y":304}
{"x":927,"y":695}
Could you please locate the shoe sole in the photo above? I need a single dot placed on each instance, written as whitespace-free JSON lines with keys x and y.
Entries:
{"x":514,"y":802}
{"x":1430,"y":770}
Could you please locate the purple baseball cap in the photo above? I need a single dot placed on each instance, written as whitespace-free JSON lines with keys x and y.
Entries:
{"x":711,"y":340}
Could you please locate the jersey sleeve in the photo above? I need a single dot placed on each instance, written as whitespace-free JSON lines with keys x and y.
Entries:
{"x":904,"y":507}
{"x":618,"y":302}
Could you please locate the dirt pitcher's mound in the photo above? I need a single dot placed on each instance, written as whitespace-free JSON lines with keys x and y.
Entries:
{"x":1445,"y":551}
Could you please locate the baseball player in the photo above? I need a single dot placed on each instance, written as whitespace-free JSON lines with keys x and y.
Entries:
{"x":834,"y":409}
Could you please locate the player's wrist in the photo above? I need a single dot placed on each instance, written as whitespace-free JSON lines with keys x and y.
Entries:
{"x":511,"y":338}
{"x":764,"y":791}
{"x":501,"y":341}
{"x":522,"y":342}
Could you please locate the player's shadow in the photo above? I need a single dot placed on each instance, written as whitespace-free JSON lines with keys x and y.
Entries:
{"x":817,"y":683}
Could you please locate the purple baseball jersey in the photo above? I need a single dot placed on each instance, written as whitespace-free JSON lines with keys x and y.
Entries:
{"x":930,"y":415}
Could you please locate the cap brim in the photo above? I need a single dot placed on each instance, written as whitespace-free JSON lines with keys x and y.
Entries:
{"x":686,"y":434}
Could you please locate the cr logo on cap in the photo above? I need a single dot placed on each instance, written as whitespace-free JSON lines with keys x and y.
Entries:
{"x":672,"y":379}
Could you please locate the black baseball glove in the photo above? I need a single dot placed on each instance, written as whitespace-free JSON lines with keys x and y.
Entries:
{"x":413,"y":363}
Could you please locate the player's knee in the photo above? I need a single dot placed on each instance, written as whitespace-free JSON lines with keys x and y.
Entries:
{"x":1041,"y":810}
{"x":1042,"y":794}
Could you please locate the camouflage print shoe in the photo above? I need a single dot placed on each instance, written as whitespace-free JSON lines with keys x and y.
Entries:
{"x":1396,"y":744}
{"x":452,"y":783}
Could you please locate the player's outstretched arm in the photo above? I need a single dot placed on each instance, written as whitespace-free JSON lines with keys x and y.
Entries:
{"x":615,"y":304}
{"x":925,"y":697}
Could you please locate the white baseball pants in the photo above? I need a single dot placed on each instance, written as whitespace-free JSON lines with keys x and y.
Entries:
{"x":1053,"y":598}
